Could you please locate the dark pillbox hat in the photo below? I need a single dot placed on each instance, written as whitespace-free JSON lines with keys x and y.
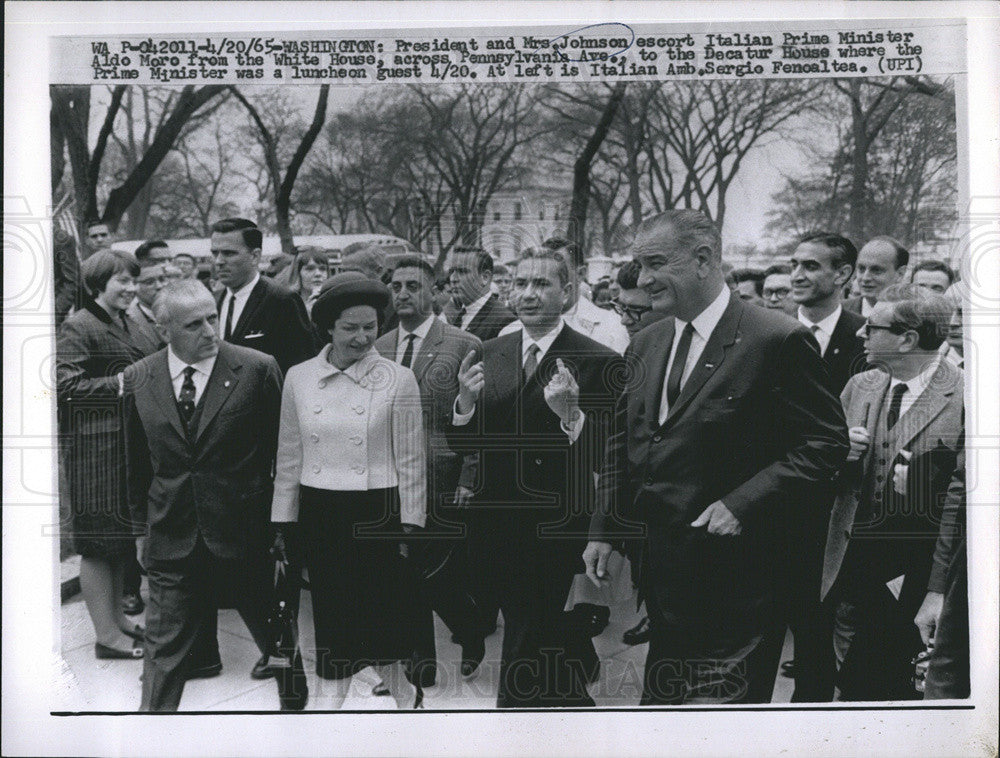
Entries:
{"x":345,"y":291}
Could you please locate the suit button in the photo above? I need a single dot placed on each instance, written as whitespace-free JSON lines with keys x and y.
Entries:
{"x":359,"y":469}
{"x":881,"y":461}
{"x":314,"y":437}
{"x":885,"y":445}
{"x":878,"y":496}
{"x":322,"y":383}
{"x":878,"y":478}
{"x":538,"y":461}
{"x":649,"y":480}
{"x":316,"y":469}
{"x":356,"y":440}
{"x":317,"y":409}
{"x":359,"y":409}
{"x":657,"y":438}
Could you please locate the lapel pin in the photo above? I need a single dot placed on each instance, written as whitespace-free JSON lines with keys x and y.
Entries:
{"x":226,"y":383}
{"x":709,"y":365}
{"x":836,"y":350}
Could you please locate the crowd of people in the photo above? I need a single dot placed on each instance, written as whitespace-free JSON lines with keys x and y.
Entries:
{"x":772,"y":450}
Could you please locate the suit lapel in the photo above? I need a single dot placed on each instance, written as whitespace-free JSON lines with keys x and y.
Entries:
{"x":925,"y":408}
{"x":726,"y":333}
{"x":220,"y":386}
{"x":162,"y":390}
{"x":483,"y":316}
{"x":503,"y":366}
{"x":254,"y":302}
{"x":428,"y":349}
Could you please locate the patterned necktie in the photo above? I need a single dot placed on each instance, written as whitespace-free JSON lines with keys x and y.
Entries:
{"x":457,"y":316}
{"x":187,"y":396}
{"x":531,"y":362}
{"x":408,"y":353}
{"x":895,"y":404}
{"x":229,"y":317}
{"x":677,"y":368}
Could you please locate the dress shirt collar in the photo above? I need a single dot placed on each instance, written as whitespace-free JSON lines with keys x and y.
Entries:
{"x":474,"y":307}
{"x":244,"y":291}
{"x":420,"y":331}
{"x":176,"y":366}
{"x":826,"y":325}
{"x":544,"y":343}
{"x":706,"y":321}
{"x":916,"y":385}
{"x":355,"y":372}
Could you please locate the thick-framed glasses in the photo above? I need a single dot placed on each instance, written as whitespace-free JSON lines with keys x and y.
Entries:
{"x":867,"y":328}
{"x":634,"y":312}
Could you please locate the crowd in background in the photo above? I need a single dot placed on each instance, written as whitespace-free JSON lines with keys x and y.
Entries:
{"x":772,"y":449}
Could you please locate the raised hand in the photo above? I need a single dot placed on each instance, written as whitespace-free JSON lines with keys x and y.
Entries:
{"x":563,"y":394}
{"x":471,"y":379}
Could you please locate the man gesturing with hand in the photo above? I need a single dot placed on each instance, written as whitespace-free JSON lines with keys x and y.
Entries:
{"x":728,"y":421}
{"x":533,"y":410}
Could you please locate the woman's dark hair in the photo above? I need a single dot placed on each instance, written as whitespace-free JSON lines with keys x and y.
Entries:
{"x":98,"y":269}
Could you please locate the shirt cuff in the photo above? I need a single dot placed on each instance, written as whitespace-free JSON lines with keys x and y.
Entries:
{"x":461,"y":419}
{"x":575,"y":426}
{"x":121,"y":384}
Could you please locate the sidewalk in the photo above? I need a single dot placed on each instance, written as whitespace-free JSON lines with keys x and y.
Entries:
{"x":87,"y":684}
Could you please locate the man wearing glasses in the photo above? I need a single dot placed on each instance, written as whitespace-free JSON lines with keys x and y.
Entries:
{"x":632,"y":303}
{"x":905,"y":419}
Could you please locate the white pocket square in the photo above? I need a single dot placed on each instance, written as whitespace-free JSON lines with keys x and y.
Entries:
{"x":253,"y":335}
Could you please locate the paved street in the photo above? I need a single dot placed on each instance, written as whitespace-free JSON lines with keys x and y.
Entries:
{"x":88,"y":684}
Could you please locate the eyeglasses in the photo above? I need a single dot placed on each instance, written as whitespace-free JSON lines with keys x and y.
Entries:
{"x":411,"y":286}
{"x":868,"y":326}
{"x":634,"y":312}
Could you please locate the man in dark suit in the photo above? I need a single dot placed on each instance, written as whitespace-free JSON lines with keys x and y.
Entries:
{"x":202,"y":429}
{"x":479,"y":312}
{"x":822,"y":265}
{"x":906,"y":428}
{"x":534,"y":409}
{"x":729,"y":420}
{"x":434,"y":350}
{"x":254,"y":311}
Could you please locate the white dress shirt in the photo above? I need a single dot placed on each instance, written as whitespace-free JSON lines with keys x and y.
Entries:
{"x":866,"y":307}
{"x":825,"y":327}
{"x":914,"y":386}
{"x":421,"y":335}
{"x":544,"y":343}
{"x":241,"y":295}
{"x":704,"y":324}
{"x":473,"y":308}
{"x":202,"y":371}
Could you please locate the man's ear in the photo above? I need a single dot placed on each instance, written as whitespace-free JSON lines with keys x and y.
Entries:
{"x":844,"y":274}
{"x":161,"y":329}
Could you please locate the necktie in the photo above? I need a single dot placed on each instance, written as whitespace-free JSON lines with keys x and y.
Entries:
{"x":815,"y":330}
{"x":677,"y":368}
{"x":456,"y":319}
{"x":531,"y":362}
{"x":229,"y":317}
{"x":187,"y":396}
{"x":408,"y":353}
{"x":124,"y":322}
{"x":895,"y":404}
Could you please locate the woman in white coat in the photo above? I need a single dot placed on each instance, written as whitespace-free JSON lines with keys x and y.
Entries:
{"x":350,"y":485}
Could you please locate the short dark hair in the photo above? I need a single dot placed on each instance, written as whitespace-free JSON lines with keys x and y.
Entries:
{"x":415,"y":261}
{"x":499,"y":268}
{"x":570,"y":249}
{"x":754,"y":275}
{"x":628,"y":275}
{"x":90,"y":222}
{"x":544,"y":253}
{"x":484,"y":261}
{"x":933,"y":264}
{"x":252,"y":236}
{"x":776,"y":268}
{"x":902,"y":254}
{"x":600,"y":286}
{"x":306,"y":255}
{"x":98,"y":269}
{"x":142,"y":252}
{"x":844,"y":251}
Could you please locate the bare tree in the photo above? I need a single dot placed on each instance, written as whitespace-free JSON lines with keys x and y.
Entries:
{"x":283,"y":182}
{"x":71,"y":107}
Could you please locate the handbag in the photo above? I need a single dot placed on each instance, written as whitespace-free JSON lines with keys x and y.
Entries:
{"x":285,"y":657}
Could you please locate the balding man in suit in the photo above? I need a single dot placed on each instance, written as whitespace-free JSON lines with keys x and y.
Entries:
{"x":202,"y":431}
{"x":733,"y":420}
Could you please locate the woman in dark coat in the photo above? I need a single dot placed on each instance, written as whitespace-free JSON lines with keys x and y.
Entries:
{"x":92,"y":349}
